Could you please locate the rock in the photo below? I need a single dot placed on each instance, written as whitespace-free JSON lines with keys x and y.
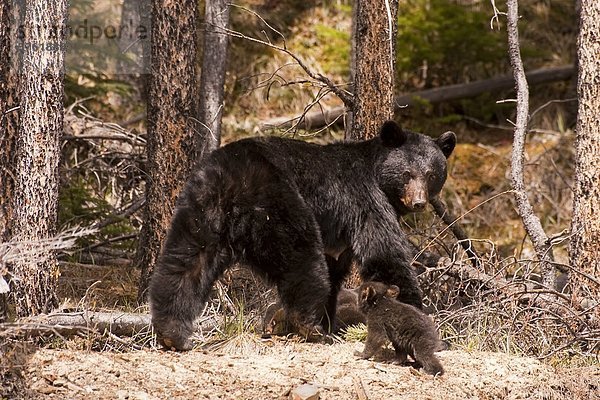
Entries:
{"x":305,"y":392}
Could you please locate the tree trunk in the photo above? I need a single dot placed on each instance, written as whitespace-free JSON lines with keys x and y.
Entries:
{"x":173,"y":139}
{"x":8,"y":118}
{"x":38,"y":152}
{"x":8,"y":134}
{"x":212,"y":83}
{"x":374,"y":38}
{"x":584,"y":248}
{"x":134,"y":43}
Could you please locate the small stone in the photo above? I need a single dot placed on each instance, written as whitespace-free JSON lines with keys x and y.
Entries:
{"x":305,"y":392}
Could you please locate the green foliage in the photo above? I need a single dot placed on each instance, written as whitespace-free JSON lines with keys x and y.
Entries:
{"x":237,"y":324}
{"x":355,"y":333}
{"x":335,"y":56}
{"x":79,"y":205}
{"x":449,"y":39}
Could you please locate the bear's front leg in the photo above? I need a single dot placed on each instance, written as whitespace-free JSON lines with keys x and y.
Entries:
{"x":182,"y":278}
{"x":376,"y":338}
{"x":385,"y":255}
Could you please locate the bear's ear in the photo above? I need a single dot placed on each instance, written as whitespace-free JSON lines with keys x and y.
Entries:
{"x":392,"y":292}
{"x":447,"y":142}
{"x":367,"y":294}
{"x":392,"y":135}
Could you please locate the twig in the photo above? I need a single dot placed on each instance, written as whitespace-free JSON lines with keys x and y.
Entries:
{"x":345,"y":96}
{"x":452,"y":222}
{"x":121,"y":215}
{"x":359,"y":388}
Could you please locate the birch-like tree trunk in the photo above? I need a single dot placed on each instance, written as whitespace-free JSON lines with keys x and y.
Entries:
{"x":531,"y":222}
{"x":214,"y":67}
{"x":33,"y":282}
{"x":373,"y":58}
{"x":584,"y":248}
{"x":173,"y":138}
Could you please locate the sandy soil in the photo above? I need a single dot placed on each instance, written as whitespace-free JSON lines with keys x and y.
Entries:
{"x":270,"y":369}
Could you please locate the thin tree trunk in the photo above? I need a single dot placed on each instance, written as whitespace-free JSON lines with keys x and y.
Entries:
{"x":212,"y":83}
{"x":173,"y":139}
{"x":584,"y":248}
{"x":38,"y":151}
{"x":374,"y":38}
{"x":531,"y":222}
{"x":8,"y":135}
{"x":8,"y":118}
{"x":134,"y":43}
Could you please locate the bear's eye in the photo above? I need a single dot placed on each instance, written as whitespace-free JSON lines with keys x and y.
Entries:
{"x":406,"y":175}
{"x":430,"y":176}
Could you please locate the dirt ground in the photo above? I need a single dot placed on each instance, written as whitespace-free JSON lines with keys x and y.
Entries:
{"x":270,"y":369}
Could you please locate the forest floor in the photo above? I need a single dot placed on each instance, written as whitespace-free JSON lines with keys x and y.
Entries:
{"x":271,"y":369}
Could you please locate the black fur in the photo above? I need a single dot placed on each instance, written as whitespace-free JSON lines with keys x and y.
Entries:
{"x":408,"y":328}
{"x":279,"y":206}
{"x":347,"y":313}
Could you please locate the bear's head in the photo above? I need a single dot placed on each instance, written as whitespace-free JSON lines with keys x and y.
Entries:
{"x":413,"y":168}
{"x":371,"y":292}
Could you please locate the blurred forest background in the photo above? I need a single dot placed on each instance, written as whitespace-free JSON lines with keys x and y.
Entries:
{"x":439,"y":43}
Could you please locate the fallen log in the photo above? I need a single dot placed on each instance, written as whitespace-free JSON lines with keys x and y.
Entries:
{"x":69,"y":324}
{"x":321,"y":118}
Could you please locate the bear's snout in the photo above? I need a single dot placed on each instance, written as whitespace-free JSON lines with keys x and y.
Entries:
{"x":415,"y":196}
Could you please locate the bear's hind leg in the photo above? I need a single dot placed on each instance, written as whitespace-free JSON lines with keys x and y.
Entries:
{"x":304,"y":291}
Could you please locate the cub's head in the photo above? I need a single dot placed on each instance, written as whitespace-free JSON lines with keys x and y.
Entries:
{"x":371,"y":292}
{"x":413,"y":169}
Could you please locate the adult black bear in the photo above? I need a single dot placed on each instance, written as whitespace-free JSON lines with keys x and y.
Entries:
{"x":279,"y":205}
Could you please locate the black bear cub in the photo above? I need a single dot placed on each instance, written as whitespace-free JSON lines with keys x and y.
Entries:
{"x":408,"y":328}
{"x":280,"y":206}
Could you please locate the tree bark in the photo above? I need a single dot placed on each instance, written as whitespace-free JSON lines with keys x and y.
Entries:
{"x":8,"y":134}
{"x":38,"y":152}
{"x":374,"y":38}
{"x":212,"y":83}
{"x":584,"y":248}
{"x":531,"y":222}
{"x":173,"y":139}
{"x":9,"y":110}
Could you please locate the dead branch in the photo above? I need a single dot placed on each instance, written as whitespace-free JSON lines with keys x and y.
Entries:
{"x":442,"y":211}
{"x":531,"y":222}
{"x":318,"y":119}
{"x":87,"y":127}
{"x":530,"y":293}
{"x":122,"y":214}
{"x":344,"y":95}
{"x":30,"y":251}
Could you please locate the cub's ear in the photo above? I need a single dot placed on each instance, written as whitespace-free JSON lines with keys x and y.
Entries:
{"x":367,"y":294}
{"x":391,"y":134}
{"x":392,"y":292}
{"x":447,"y":142}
